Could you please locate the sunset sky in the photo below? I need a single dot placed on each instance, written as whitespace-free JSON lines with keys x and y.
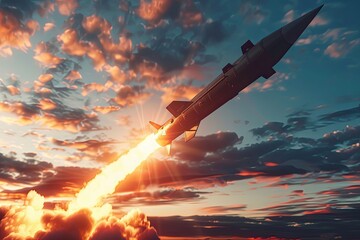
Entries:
{"x":80,"y":79}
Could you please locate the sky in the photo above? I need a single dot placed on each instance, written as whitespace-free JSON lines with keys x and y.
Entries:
{"x":80,"y":79}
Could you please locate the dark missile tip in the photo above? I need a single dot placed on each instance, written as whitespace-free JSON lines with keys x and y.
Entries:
{"x":293,"y":30}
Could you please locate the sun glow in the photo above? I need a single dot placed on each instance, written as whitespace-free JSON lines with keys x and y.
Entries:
{"x":27,"y":221}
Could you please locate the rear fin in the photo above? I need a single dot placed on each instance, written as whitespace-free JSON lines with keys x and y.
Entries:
{"x":155,"y":125}
{"x":267,"y":74}
{"x":168,"y":149}
{"x":227,"y":67}
{"x":191,"y":133}
{"x":177,"y":107}
{"x":247,"y":46}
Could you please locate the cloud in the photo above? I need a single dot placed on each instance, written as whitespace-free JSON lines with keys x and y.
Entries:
{"x":130,"y":95}
{"x":26,"y":171}
{"x":67,"y":7}
{"x":88,"y":88}
{"x":215,"y":31}
{"x":163,"y":58}
{"x":92,"y":149}
{"x":48,"y":26}
{"x":340,"y":49}
{"x":179,"y":92}
{"x":59,"y":224}
{"x":268,"y":84}
{"x":91,"y":36}
{"x":190,"y":15}
{"x":155,"y":10}
{"x":46,"y":114}
{"x":252,"y":12}
{"x":317,"y":225}
{"x":289,"y":16}
{"x":342,"y":115}
{"x":44,"y":55}
{"x":56,"y":181}
{"x":18,"y":26}
{"x":106,"y":109}
{"x":157,"y":197}
{"x":319,"y":21}
{"x":223,"y":209}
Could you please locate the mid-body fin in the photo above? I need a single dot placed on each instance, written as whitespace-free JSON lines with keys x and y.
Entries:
{"x":247,"y":46}
{"x":190,"y":134}
{"x":267,"y":74}
{"x":177,"y":107}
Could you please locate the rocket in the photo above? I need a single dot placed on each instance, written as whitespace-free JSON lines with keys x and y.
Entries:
{"x":257,"y":61}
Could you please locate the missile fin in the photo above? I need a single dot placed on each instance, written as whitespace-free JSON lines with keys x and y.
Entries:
{"x":269,"y":73}
{"x":246,"y":46}
{"x":227,"y":67}
{"x":155,"y":125}
{"x":168,"y":149}
{"x":191,"y":133}
{"x":177,"y":107}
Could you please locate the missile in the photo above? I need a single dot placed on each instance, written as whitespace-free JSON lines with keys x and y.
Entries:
{"x":257,"y":61}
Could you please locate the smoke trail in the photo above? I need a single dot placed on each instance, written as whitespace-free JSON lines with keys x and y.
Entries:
{"x":86,"y":217}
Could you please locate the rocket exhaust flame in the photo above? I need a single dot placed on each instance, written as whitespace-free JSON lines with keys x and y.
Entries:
{"x":105,"y":182}
{"x":31,"y":221}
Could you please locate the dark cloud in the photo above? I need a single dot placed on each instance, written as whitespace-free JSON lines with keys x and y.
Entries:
{"x":218,"y":159}
{"x":216,"y":32}
{"x":163,"y":56}
{"x":302,"y":120}
{"x":351,"y":191}
{"x":340,"y":223}
{"x":349,"y":134}
{"x":27,"y":171}
{"x":60,"y":118}
{"x":90,"y":149}
{"x":130,"y":95}
{"x":342,"y":116}
{"x":60,"y":181}
{"x":223,"y":209}
{"x":158,"y":197}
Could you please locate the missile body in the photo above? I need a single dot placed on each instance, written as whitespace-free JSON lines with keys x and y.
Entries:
{"x":257,"y":61}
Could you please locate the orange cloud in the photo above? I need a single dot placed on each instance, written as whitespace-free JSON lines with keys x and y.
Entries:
{"x":96,"y":25}
{"x":190,"y":16}
{"x":130,"y":95}
{"x":100,"y":48}
{"x":13,"y":90}
{"x":71,"y":44}
{"x":83,"y":122}
{"x":87,"y":88}
{"x":48,"y":26}
{"x":106,"y":109}
{"x":154,"y":10}
{"x":14,"y":33}
{"x":179,"y":92}
{"x":73,"y":75}
{"x":46,"y":104}
{"x":44,"y":78}
{"x":45,"y":57}
{"x":70,"y":120}
{"x":116,"y":74}
{"x":67,"y":7}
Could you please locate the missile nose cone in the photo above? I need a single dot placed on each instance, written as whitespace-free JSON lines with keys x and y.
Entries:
{"x":293,"y":30}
